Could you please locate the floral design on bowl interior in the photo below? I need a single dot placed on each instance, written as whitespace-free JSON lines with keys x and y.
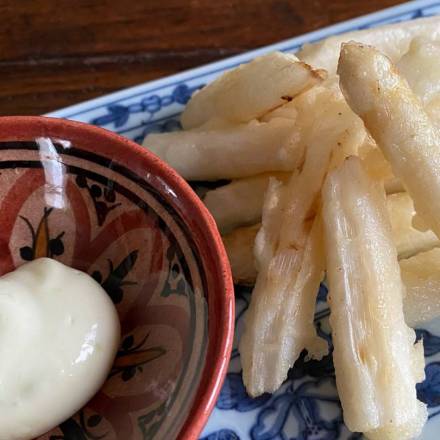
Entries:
{"x":117,"y":213}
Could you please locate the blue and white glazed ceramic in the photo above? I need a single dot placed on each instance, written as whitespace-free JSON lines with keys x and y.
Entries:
{"x":307,"y":406}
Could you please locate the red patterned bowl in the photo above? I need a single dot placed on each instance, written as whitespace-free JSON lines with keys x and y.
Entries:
{"x":100,"y":203}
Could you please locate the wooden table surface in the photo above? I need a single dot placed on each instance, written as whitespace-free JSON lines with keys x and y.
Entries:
{"x":55,"y":53}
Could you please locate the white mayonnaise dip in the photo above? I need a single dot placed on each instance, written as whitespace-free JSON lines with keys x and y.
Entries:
{"x":59,"y":333}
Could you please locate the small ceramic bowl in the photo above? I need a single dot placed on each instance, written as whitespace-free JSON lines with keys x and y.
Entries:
{"x":101,"y":203}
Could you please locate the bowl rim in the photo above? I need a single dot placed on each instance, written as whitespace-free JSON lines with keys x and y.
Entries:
{"x":221,"y":318}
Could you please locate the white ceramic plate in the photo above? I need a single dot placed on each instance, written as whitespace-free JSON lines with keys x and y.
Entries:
{"x":306,"y":407}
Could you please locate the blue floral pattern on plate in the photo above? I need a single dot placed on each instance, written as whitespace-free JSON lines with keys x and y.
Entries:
{"x":306,"y":407}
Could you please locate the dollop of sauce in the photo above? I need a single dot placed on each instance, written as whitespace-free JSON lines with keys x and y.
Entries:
{"x":59,"y":334}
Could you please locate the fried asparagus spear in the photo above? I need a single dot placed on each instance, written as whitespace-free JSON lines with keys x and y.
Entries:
{"x":398,"y":122}
{"x":239,"y":245}
{"x":408,"y":240}
{"x":279,"y":323}
{"x":240,"y":202}
{"x":230,"y":152}
{"x":421,"y":68}
{"x":377,"y":362}
{"x":421,"y":276}
{"x":250,"y":90}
